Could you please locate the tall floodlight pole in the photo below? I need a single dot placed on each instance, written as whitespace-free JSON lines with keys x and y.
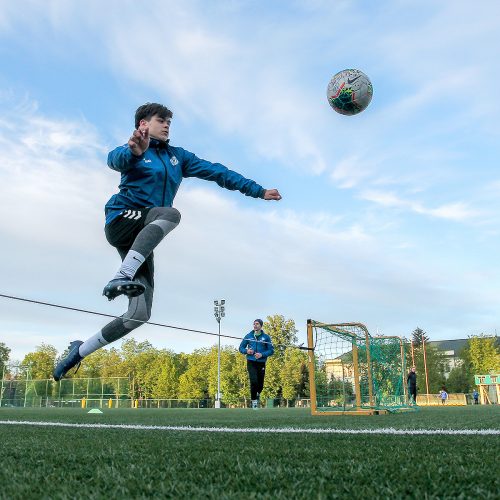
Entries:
{"x":425,"y":368}
{"x":219,"y":313}
{"x":1,"y":390}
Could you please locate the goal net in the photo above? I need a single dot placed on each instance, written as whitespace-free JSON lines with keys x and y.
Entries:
{"x":352,"y":372}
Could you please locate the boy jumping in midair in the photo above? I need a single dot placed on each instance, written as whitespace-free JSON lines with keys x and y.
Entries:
{"x":141,"y":215}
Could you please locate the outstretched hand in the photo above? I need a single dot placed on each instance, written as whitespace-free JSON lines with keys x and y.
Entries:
{"x":272,"y":194}
{"x":139,"y":141}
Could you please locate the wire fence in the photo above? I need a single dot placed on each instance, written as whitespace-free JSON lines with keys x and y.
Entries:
{"x":19,"y":390}
{"x":436,"y":400}
{"x":22,"y":390}
{"x":109,"y":403}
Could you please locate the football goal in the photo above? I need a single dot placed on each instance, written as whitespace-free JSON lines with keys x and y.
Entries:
{"x":352,"y":372}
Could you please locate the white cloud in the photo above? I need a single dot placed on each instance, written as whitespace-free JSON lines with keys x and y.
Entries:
{"x":49,"y":175}
{"x":458,"y":211}
{"x":453,"y":211}
{"x":350,"y":172}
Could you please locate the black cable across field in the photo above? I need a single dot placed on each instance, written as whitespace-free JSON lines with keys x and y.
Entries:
{"x":163,"y":325}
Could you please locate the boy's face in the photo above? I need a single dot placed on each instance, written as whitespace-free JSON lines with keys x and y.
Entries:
{"x":256,"y":326}
{"x":159,"y":128}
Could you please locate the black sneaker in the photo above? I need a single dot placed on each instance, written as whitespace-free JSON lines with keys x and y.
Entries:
{"x":123,"y":286}
{"x":72,"y":359}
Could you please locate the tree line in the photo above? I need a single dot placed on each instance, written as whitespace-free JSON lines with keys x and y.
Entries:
{"x":480,"y":355}
{"x":164,"y":374}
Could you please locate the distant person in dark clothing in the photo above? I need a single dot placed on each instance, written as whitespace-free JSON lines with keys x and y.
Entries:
{"x":412,"y":384}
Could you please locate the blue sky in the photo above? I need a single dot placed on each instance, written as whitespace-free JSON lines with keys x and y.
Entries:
{"x":390,"y":217}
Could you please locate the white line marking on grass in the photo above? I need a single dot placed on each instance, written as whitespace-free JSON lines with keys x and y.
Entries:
{"x":271,"y":430}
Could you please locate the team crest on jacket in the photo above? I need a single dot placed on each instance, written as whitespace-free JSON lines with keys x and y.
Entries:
{"x":174,"y":161}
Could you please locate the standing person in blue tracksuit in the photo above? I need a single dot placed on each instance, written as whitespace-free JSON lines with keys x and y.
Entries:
{"x":257,"y":346}
{"x":141,"y":214}
{"x":475,"y":395}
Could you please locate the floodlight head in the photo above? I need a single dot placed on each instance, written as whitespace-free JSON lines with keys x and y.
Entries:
{"x":222,"y":302}
{"x":216,"y":302}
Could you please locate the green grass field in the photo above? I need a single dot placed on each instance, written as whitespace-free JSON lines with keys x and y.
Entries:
{"x":67,"y":462}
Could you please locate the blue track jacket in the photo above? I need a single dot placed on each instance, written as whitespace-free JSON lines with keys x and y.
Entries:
{"x":261,"y":343}
{"x":152,"y":179}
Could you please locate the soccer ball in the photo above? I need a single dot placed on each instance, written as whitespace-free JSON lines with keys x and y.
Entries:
{"x":349,"y":92}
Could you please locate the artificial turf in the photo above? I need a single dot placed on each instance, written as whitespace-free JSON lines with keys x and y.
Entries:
{"x":58,"y":462}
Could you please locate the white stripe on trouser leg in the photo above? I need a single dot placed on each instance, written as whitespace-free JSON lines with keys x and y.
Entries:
{"x":166,"y":225}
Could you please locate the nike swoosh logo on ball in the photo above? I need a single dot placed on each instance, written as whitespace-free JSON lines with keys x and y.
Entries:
{"x":349,"y":81}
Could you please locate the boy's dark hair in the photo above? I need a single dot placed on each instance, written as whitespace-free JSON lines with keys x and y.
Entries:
{"x":148,"y":110}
